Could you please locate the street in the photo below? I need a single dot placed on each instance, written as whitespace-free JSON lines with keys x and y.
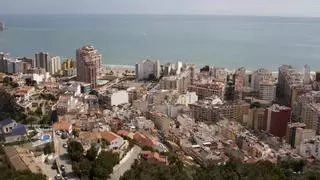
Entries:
{"x":62,"y":156}
{"x":126,"y":163}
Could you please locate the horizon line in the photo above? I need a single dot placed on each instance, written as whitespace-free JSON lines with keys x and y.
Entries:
{"x":159,"y":14}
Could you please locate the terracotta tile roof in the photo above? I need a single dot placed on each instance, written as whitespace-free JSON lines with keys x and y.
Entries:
{"x":123,"y":132}
{"x":143,"y":139}
{"x":109,"y":136}
{"x":153,"y":155}
{"x":62,"y":125}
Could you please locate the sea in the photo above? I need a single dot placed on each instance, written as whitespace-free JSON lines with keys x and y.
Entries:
{"x":223,"y":41}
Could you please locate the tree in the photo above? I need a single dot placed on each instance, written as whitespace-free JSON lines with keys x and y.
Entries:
{"x":255,"y":105}
{"x":75,"y":150}
{"x":28,"y":81}
{"x":92,"y":153}
{"x":48,"y":148}
{"x":7,"y":80}
{"x":82,"y":168}
{"x":75,"y":132}
{"x":14,"y":85}
{"x":38,"y":111}
{"x":103,"y":165}
{"x":31,"y":120}
{"x":104,"y":144}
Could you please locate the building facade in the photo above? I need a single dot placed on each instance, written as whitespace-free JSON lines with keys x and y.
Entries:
{"x":277,"y":119}
{"x":41,"y":60}
{"x":88,"y":65}
{"x":267,"y":91}
{"x":114,"y":98}
{"x":146,"y":69}
{"x":287,"y":77}
{"x":54,"y":65}
{"x":208,"y":89}
{"x":310,"y":115}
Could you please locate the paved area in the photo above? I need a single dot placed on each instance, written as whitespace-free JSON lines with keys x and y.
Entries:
{"x":125,"y":163}
{"x":62,"y":156}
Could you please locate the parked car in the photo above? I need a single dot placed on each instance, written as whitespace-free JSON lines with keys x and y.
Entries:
{"x":58,"y":133}
{"x":64,"y":135}
{"x":62,"y":167}
{"x":58,"y":177}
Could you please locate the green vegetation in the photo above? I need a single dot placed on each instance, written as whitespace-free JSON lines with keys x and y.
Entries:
{"x":262,"y":170}
{"x":91,"y":166}
{"x":75,"y":151}
{"x":49,"y":97}
{"x":9,"y":108}
{"x":48,"y":148}
{"x":255,"y":105}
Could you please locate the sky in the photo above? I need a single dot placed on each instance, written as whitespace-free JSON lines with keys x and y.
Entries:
{"x":224,"y":7}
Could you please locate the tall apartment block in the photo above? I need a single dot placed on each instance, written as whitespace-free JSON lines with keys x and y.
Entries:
{"x":88,"y":64}
{"x":310,"y":115}
{"x":8,"y":65}
{"x":147,"y":68}
{"x":41,"y":60}
{"x":287,"y":78}
{"x":54,"y":64}
{"x":277,"y":119}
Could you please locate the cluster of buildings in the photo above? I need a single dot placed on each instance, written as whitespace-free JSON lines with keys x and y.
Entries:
{"x":211,"y":115}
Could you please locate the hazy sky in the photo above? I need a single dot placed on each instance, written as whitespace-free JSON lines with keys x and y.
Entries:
{"x":236,"y":7}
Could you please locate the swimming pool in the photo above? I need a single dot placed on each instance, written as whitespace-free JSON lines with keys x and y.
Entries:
{"x":45,"y":138}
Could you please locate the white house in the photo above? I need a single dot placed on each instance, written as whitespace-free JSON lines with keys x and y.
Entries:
{"x":12,"y":131}
{"x":114,"y":140}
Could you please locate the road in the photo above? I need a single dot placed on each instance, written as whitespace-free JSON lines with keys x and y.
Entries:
{"x":62,"y":156}
{"x":125,"y":163}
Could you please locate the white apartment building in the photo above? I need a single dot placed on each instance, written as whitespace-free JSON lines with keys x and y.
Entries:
{"x":145,"y":68}
{"x":310,"y":147}
{"x":114,"y":98}
{"x":37,"y":77}
{"x":310,"y":115}
{"x":259,"y":76}
{"x":188,"y":98}
{"x":306,"y":74}
{"x":303,"y":134}
{"x":267,"y":91}
{"x":54,"y":64}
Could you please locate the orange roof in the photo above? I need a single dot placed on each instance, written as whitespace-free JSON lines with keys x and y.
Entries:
{"x":143,"y":139}
{"x":123,"y":132}
{"x":153,"y":155}
{"x":62,"y":125}
{"x":109,"y":136}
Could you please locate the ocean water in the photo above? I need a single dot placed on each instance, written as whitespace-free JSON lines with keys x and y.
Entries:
{"x":226,"y":41}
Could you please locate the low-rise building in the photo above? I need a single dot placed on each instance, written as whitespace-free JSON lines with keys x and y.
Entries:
{"x":65,"y":104}
{"x":179,"y":82}
{"x":62,"y":125}
{"x":161,"y":121}
{"x":114,"y":98}
{"x":12,"y":131}
{"x":154,"y":156}
{"x":143,"y":123}
{"x":88,"y":138}
{"x":208,"y":89}
{"x":187,"y":98}
{"x":21,"y":159}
